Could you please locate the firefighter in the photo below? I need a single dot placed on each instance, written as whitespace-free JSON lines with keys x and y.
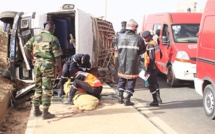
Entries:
{"x":149,"y":62}
{"x":130,"y":46}
{"x":84,"y":82}
{"x":77,"y":62}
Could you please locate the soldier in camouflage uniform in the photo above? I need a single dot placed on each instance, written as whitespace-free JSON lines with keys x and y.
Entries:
{"x":45,"y":53}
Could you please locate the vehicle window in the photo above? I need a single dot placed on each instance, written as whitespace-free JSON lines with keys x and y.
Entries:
{"x":185,"y":33}
{"x":155,"y":27}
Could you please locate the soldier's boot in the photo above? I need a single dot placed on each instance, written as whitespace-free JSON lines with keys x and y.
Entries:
{"x":155,"y":101}
{"x":70,"y":97}
{"x":46,"y":114}
{"x":37,"y":111}
{"x":158,"y":97}
{"x":120,"y":97}
{"x":127,"y":101}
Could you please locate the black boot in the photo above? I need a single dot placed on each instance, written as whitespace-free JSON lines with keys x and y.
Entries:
{"x":158,"y":97}
{"x":127,"y":101}
{"x":70,"y":97}
{"x":155,"y":101}
{"x":60,"y":92}
{"x":120,"y":97}
{"x":37,"y":111}
{"x":47,"y":115}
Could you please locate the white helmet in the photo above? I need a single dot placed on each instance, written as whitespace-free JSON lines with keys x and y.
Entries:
{"x":132,"y":25}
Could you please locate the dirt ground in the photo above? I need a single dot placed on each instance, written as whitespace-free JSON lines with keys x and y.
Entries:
{"x":15,"y":121}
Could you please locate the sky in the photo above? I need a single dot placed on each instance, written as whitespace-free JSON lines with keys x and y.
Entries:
{"x":114,"y":11}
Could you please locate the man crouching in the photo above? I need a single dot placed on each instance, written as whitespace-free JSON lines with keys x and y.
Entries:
{"x":84,"y":82}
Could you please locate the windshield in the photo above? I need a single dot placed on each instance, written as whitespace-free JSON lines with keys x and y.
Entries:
{"x":185,"y":33}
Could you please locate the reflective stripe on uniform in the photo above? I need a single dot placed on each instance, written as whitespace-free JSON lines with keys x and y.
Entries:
{"x":129,"y":47}
{"x":128,"y":76}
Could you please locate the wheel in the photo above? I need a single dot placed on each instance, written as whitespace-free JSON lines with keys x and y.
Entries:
{"x":171,"y":80}
{"x":209,"y":101}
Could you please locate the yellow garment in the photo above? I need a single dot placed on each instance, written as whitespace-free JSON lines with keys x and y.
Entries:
{"x":67,"y":86}
{"x":82,"y":100}
{"x":85,"y":101}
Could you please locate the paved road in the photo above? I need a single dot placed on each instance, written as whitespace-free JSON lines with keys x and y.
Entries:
{"x":181,"y":111}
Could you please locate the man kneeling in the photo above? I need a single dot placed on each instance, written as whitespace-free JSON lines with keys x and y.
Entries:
{"x":84,"y":81}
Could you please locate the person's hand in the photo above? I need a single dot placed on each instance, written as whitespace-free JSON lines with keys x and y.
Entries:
{"x":146,"y":73}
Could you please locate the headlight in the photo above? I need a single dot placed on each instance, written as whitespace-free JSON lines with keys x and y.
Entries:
{"x":182,"y":56}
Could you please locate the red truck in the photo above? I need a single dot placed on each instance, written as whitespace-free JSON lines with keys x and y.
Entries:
{"x":205,"y":72}
{"x":178,"y":43}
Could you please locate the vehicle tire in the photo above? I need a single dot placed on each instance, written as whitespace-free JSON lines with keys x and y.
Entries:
{"x":209,"y":101}
{"x":8,"y":14}
{"x":171,"y":80}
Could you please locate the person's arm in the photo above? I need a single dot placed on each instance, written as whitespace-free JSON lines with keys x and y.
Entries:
{"x":151,"y":54}
{"x":28,"y":47}
{"x":58,"y":65}
{"x":142,"y":48}
{"x":57,"y":52}
{"x":73,"y":69}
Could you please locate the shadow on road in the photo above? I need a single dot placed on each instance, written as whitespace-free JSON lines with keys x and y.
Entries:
{"x":173,"y":104}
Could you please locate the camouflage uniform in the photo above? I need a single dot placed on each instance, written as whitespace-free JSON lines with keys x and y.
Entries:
{"x":44,"y":47}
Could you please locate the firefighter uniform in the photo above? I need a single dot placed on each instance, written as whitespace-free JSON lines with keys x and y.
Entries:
{"x":130,"y":46}
{"x":149,"y":62}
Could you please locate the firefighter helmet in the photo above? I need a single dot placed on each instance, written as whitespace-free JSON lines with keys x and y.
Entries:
{"x":132,"y":25}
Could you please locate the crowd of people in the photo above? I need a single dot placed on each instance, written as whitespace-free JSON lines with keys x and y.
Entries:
{"x":132,"y":48}
{"x":44,"y":51}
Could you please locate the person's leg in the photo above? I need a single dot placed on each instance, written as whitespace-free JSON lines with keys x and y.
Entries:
{"x":97,"y":92}
{"x":75,"y":85}
{"x":38,"y":91}
{"x":129,"y":92}
{"x":121,"y":89}
{"x":71,"y":95}
{"x":152,"y":86}
{"x":157,"y":88}
{"x":158,"y":93}
{"x":47,"y":69}
{"x":64,"y":78}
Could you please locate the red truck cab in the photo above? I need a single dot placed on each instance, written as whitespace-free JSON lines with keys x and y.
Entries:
{"x":205,"y":65}
{"x":178,"y":43}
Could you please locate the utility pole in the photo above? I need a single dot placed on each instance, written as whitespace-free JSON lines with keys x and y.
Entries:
{"x":105,"y":10}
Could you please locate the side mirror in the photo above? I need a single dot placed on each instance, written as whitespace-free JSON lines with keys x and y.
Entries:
{"x":164,"y":40}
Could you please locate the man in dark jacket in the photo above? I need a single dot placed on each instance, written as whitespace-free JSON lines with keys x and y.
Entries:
{"x":77,"y":62}
{"x":130,"y":46}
